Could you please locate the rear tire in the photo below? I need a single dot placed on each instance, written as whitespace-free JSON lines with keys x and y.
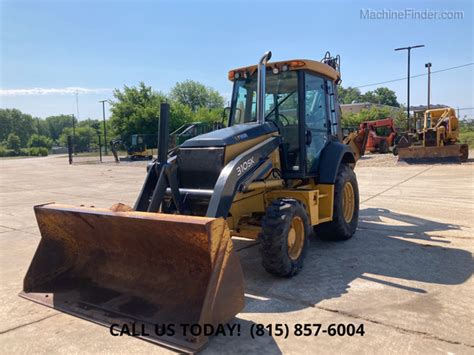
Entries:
{"x":464,"y":148}
{"x":383,"y":147}
{"x":345,"y":217}
{"x":285,"y":237}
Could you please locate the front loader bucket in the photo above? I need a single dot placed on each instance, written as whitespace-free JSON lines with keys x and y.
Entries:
{"x":455,"y":151}
{"x":153,"y":272}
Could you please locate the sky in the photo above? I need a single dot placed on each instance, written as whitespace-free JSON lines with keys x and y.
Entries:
{"x":52,"y":49}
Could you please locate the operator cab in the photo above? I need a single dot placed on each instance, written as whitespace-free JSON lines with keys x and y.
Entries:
{"x":300,"y":100}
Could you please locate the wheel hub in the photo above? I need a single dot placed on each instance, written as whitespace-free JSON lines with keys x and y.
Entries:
{"x":348,"y":202}
{"x":295,"y":238}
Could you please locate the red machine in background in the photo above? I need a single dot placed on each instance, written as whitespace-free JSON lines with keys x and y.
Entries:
{"x":381,"y":136}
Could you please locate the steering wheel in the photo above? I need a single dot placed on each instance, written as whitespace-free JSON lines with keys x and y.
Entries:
{"x":277,"y":123}
{"x":287,"y":121}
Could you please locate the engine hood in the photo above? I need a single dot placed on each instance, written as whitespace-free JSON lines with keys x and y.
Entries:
{"x":230,"y":135}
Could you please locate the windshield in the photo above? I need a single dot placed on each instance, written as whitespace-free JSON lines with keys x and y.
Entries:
{"x":281,"y":99}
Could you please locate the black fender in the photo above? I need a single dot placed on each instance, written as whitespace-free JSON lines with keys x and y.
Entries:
{"x":331,"y":157}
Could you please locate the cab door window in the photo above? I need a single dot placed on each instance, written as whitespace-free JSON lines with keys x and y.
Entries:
{"x":316,"y":120}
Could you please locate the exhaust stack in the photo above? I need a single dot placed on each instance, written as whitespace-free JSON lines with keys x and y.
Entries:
{"x":163,"y":133}
{"x":261,"y":87}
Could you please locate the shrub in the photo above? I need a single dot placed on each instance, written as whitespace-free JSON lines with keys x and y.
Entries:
{"x":24,"y":152}
{"x":40,"y":141}
{"x":5,"y":152}
{"x":467,"y":138}
{"x":38,"y":151}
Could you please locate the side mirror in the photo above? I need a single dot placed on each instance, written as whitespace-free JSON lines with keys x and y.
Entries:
{"x":226,"y":116}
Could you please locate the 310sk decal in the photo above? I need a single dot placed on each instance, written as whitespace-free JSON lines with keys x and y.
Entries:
{"x":242,"y":168}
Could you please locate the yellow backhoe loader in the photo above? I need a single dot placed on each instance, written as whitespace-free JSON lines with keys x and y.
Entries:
{"x":278,"y":173}
{"x":437,"y":139}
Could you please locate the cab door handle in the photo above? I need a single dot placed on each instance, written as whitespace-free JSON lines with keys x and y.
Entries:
{"x":308,"y":137}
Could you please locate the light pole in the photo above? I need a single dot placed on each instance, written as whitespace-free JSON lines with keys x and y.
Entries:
{"x":105,"y":128}
{"x":73,"y":134}
{"x":428,"y":65}
{"x":408,"y":84}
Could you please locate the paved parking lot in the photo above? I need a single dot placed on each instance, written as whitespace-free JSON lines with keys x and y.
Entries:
{"x":406,"y":275}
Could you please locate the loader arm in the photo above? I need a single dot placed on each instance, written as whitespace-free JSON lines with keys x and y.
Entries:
{"x":357,"y":141}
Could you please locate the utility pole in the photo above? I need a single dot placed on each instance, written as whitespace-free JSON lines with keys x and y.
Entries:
{"x":105,"y":128}
{"x":100,"y":147}
{"x":77,"y":103}
{"x":428,"y":65}
{"x":73,"y":134}
{"x":408,"y":83}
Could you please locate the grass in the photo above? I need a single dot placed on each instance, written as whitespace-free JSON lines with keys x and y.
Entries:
{"x":467,"y":138}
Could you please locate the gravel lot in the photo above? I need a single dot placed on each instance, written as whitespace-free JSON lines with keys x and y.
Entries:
{"x":406,"y":275}
{"x":390,"y":160}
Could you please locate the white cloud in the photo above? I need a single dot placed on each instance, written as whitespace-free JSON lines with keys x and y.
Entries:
{"x":52,"y":91}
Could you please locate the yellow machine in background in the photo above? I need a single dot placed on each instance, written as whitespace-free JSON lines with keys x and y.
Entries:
{"x":438,"y":138}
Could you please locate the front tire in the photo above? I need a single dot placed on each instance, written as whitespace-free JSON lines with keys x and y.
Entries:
{"x":345,"y":209}
{"x":395,"y":150}
{"x":285,"y":237}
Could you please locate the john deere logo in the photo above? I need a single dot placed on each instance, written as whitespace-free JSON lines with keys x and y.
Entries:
{"x":241,"y":137}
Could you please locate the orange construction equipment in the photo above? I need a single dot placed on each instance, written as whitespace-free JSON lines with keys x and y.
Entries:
{"x":382,"y":134}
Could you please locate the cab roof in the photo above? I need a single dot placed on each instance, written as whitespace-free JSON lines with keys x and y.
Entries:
{"x":293,"y":64}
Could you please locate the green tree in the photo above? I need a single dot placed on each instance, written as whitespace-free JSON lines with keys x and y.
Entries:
{"x":13,"y":142}
{"x":85,"y":138}
{"x":208,"y":115}
{"x":56,"y":125}
{"x":348,"y":95}
{"x":180,"y":114}
{"x":135,"y":110}
{"x":382,"y":96}
{"x":196,"y":95}
{"x":96,"y":124}
{"x":42,"y":127}
{"x":374,"y":113}
{"x":14,"y":121}
{"x":369,"y":96}
{"x":39,"y":141}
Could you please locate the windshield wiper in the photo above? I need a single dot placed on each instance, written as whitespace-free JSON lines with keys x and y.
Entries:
{"x":279,"y":103}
